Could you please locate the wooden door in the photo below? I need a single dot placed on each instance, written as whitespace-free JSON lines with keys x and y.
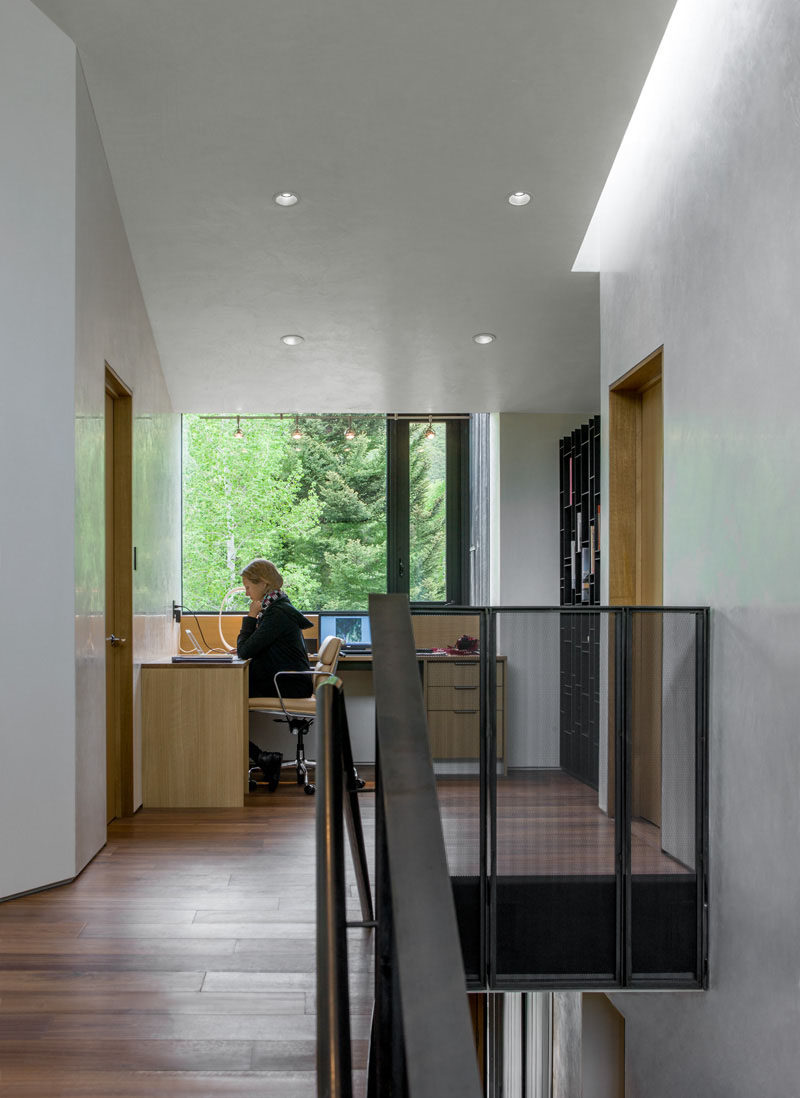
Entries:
{"x":119,"y":598}
{"x":636,"y":562}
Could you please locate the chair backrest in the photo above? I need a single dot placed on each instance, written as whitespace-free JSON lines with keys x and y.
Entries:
{"x":327,"y":659}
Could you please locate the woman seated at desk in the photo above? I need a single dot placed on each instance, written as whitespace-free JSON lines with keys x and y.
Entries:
{"x":271,"y":638}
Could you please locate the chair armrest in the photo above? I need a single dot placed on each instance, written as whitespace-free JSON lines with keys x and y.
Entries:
{"x":278,"y":675}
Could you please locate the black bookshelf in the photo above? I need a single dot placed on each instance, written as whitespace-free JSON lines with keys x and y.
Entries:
{"x":579,"y":458}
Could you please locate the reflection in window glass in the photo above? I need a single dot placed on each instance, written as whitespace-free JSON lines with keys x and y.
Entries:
{"x":315,"y":506}
{"x":427,"y":514}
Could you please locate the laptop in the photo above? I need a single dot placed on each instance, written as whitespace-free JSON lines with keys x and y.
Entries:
{"x":352,"y":630}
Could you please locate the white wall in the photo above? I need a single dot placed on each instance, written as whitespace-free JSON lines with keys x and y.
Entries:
{"x":527,"y":566}
{"x":113,"y":327}
{"x":69,"y":302}
{"x":698,"y":241}
{"x":526,"y":572}
{"x":37,"y":353}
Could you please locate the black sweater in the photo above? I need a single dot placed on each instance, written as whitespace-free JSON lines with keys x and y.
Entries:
{"x":275,"y":643}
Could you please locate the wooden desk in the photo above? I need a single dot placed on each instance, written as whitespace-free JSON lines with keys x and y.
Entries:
{"x":194,"y":735}
{"x":195,"y":724}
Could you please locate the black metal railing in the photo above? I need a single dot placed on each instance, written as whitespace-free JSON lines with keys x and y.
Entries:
{"x":574,"y":798}
{"x":421,"y":1042}
{"x":337,"y":803}
{"x":542,"y":803}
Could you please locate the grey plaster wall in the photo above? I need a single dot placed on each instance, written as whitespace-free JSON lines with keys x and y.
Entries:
{"x":70,"y":302}
{"x":113,"y":327}
{"x":37,"y":359}
{"x":697,"y":237}
{"x":528,"y":573}
{"x":567,"y":1054}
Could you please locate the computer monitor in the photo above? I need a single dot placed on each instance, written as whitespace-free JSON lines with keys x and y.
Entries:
{"x":352,"y":629}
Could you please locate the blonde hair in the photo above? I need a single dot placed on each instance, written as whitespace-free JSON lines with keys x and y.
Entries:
{"x":263,"y":571}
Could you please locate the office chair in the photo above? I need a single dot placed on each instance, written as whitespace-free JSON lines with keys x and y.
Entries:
{"x":298,"y":713}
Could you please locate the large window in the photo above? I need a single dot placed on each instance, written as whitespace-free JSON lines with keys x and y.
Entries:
{"x":341,"y":517}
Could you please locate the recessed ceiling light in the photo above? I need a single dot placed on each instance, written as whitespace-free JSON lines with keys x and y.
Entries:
{"x":519,"y":198}
{"x":292,"y":340}
{"x":285,"y":198}
{"x":484,"y":337}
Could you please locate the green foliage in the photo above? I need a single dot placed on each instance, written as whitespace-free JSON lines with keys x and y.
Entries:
{"x":427,"y":515}
{"x":316,"y":507}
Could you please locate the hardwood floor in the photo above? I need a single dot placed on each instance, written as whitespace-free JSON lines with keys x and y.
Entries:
{"x":180,"y":962}
{"x":547,"y":823}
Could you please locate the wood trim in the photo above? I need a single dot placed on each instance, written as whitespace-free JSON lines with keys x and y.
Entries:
{"x":642,"y":375}
{"x":119,"y":594}
{"x":113,"y":799}
{"x":207,"y":625}
{"x":623,"y":492}
{"x":115,"y":386}
{"x":635,"y":561}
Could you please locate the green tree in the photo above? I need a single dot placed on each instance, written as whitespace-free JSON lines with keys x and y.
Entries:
{"x":317,"y":507}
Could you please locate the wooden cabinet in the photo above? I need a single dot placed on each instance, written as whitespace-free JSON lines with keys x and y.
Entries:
{"x":453,"y":703}
{"x":194,"y":735}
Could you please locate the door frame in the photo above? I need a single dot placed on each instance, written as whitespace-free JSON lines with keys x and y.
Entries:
{"x":627,"y":532}
{"x":119,"y":596}
{"x":625,"y":480}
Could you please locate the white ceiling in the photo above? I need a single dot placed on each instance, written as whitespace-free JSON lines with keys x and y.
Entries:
{"x":403,"y":126}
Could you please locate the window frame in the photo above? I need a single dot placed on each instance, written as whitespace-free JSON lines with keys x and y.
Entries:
{"x":398,"y":539}
{"x":457,"y":507}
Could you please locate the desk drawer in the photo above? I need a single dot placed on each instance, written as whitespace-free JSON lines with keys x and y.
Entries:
{"x":454,"y":735}
{"x":459,"y":699}
{"x":462,"y":673}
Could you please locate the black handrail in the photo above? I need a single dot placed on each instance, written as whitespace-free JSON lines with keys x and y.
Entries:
{"x":337,"y":788}
{"x":422,"y":1035}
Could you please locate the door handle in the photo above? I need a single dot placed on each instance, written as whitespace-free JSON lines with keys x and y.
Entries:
{"x":116,"y":642}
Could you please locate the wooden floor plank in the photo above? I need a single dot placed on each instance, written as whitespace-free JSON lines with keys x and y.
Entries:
{"x":181,"y":962}
{"x":154,"y":1084}
{"x":271,"y":1001}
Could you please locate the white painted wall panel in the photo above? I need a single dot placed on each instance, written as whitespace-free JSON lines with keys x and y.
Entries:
{"x":113,"y":327}
{"x":697,"y":238}
{"x":37,"y":358}
{"x":527,"y":573}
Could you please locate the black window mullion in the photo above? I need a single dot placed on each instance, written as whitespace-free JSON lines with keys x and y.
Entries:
{"x":457,"y":512}
{"x":397,"y":507}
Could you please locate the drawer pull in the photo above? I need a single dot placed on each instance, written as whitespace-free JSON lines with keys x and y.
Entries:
{"x":466,"y":711}
{"x":457,"y":686}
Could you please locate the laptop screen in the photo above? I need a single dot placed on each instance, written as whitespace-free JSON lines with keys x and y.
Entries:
{"x":352,"y":629}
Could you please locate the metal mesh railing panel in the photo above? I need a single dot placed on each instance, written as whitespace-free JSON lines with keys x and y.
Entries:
{"x":556,"y":846}
{"x":663,"y":737}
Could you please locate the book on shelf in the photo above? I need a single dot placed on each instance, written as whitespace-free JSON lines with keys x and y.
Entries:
{"x":572,"y":565}
{"x":585,"y":582}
